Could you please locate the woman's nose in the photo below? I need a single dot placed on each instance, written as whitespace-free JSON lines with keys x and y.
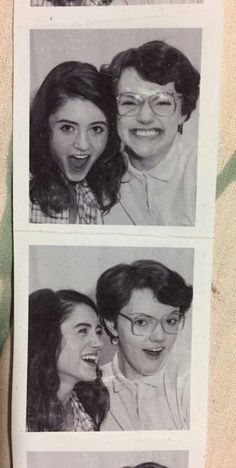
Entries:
{"x":158,"y":333}
{"x":145,"y":114}
{"x":81,"y":141}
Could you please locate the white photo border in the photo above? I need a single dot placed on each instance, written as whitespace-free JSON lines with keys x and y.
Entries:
{"x":192,"y":440}
{"x":186,"y":17}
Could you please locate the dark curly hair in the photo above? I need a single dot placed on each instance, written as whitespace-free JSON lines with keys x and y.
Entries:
{"x":115,"y":286}
{"x":47,"y":311}
{"x":67,"y":2}
{"x":48,"y":187}
{"x":159,"y":63}
{"x":78,"y":2}
{"x":147,"y":465}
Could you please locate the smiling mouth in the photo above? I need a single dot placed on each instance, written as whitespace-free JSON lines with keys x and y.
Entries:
{"x":154,"y":352}
{"x":146,"y":132}
{"x":91,"y":359}
{"x":78,"y":162}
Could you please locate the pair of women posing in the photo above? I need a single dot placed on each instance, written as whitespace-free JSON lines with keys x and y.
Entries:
{"x":94,"y":134}
{"x":142,"y":307}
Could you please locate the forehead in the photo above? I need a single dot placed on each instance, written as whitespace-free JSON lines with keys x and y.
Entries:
{"x":81,"y":313}
{"x":131,"y":81}
{"x":143,"y":301}
{"x":78,"y":109}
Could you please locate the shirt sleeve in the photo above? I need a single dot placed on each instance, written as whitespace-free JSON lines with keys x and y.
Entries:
{"x":185,"y":401}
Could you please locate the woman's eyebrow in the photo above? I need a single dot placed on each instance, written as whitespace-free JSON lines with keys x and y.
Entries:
{"x":137,"y":314}
{"x":174,"y":311}
{"x":67,"y":121}
{"x":96,"y":122}
{"x":83,"y":324}
{"x":99,"y":122}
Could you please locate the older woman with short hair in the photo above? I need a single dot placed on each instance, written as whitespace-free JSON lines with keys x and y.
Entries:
{"x":157,"y":89}
{"x":143,"y":307}
{"x":147,"y":465}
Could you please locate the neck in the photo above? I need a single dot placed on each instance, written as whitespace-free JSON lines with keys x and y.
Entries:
{"x":130,"y":373}
{"x":142,"y":164}
{"x":64,"y":392}
{"x":126,"y":369}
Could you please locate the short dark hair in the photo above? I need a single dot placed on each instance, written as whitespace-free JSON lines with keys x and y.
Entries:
{"x":147,"y":465}
{"x":76,"y":2}
{"x":66,"y":2}
{"x":47,"y":311}
{"x":115,"y":286}
{"x":48,"y":187}
{"x":159,"y":63}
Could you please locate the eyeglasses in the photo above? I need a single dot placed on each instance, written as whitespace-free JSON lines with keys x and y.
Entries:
{"x":143,"y":325}
{"x":161,"y":104}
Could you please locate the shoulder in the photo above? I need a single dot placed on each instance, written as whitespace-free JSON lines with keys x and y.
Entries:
{"x":186,"y":170}
{"x":178,"y":367}
{"x":36,"y":215}
{"x":107,"y":370}
{"x":189,"y":144}
{"x":187,"y":148}
{"x":177,"y":388}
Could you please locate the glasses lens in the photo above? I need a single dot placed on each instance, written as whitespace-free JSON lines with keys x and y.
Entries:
{"x":171,"y":323}
{"x":128,"y":104}
{"x":143,"y":325}
{"x":163,"y":104}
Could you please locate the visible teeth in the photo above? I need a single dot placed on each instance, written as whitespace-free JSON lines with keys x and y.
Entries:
{"x":155,"y":349}
{"x":90,"y":358}
{"x":146,"y":133}
{"x":80,"y":156}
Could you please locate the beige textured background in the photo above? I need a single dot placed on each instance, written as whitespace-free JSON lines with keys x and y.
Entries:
{"x":5,"y":138}
{"x":222,"y":382}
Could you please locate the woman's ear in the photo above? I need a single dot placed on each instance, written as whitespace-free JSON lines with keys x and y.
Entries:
{"x":111,"y":327}
{"x":182,"y":119}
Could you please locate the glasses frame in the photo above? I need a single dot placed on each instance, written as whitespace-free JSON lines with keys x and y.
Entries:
{"x":148,"y":99}
{"x":158,"y":321}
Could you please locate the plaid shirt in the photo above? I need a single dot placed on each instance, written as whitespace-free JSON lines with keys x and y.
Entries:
{"x":84,"y":210}
{"x":82,"y":421}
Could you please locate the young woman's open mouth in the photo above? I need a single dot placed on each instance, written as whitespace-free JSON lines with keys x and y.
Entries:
{"x":154,"y":352}
{"x":91,"y":359}
{"x":78,"y":162}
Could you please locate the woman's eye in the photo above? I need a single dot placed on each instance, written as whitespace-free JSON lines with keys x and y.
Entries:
{"x":164,"y":103}
{"x":67,"y":128}
{"x":172,"y":321}
{"x":83,"y":331}
{"x":98,"y":129}
{"x":129,"y":103}
{"x":141,"y":322}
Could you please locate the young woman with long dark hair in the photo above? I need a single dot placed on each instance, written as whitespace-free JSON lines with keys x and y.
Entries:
{"x":64,"y":391}
{"x":75,"y":162}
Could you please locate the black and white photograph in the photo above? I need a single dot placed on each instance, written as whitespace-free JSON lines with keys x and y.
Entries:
{"x":114,"y":191}
{"x":63,"y":3}
{"x":109,"y":344}
{"x":114,"y":126}
{"x":155,"y":459}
